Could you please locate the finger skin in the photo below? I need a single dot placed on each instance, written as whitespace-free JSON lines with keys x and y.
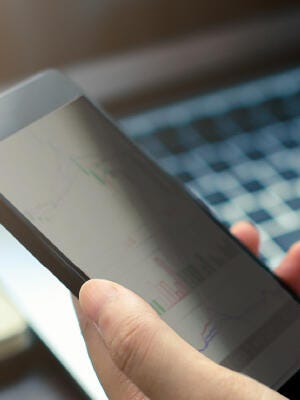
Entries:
{"x":153,"y":356}
{"x":116,"y":384}
{"x":289,"y":268}
{"x":248,"y":235}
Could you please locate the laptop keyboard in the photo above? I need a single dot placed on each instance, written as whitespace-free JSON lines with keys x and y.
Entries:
{"x":238,"y":149}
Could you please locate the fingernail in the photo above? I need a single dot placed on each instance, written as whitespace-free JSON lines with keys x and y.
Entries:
{"x":94,"y":296}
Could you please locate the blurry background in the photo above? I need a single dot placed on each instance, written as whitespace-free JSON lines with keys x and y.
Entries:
{"x":38,"y":34}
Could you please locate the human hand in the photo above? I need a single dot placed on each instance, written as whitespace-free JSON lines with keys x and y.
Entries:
{"x":137,"y":356}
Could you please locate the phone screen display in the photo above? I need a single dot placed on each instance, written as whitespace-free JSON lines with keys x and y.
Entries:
{"x":110,"y":212}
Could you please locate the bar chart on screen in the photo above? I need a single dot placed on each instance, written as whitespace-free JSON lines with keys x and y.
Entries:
{"x":182,"y":280}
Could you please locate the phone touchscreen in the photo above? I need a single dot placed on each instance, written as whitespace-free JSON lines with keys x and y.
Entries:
{"x":105,"y":208}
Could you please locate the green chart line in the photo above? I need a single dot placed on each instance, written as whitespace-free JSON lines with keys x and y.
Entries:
{"x":157,"y":307}
{"x":97,"y":177}
{"x":80,"y":167}
{"x":88,"y":172}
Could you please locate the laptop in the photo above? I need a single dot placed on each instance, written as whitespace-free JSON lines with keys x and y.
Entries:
{"x":221,"y":103}
{"x":218,"y":107}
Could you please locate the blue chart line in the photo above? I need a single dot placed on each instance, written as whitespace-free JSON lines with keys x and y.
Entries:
{"x":217,"y":320}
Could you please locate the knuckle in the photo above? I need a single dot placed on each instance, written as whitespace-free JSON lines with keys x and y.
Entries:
{"x":132,"y":343}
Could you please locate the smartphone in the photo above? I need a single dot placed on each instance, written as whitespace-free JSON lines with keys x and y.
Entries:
{"x":87,"y":203}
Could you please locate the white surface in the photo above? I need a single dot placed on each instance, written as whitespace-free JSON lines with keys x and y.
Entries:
{"x":47,"y":305}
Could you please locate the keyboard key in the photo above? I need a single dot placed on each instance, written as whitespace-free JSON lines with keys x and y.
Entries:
{"x":255,"y":154}
{"x":207,"y":130}
{"x":292,"y":105}
{"x":288,"y":221}
{"x":287,"y":239}
{"x":265,"y":139}
{"x":219,"y":166}
{"x":151,"y":146}
{"x":289,"y":174}
{"x":169,"y":138}
{"x":267,"y":199}
{"x":191,"y":163}
{"x":242,"y":117}
{"x":188,"y":136}
{"x":290,"y":143}
{"x":270,"y":249}
{"x":216,"y":198}
{"x":253,"y":117}
{"x":171,"y":165}
{"x":294,"y":203}
{"x":277,"y":108}
{"x":229,"y":213}
{"x":208,"y":184}
{"x":282,"y":189}
{"x":260,"y":216}
{"x":273,"y":228}
{"x":226,"y":181}
{"x":225,"y":126}
{"x":185,"y":176}
{"x":253,"y":186}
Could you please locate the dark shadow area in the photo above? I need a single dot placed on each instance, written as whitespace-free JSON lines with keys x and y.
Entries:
{"x":35,"y":375}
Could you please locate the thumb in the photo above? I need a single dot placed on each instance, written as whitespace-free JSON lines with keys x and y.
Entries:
{"x":160,"y":363}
